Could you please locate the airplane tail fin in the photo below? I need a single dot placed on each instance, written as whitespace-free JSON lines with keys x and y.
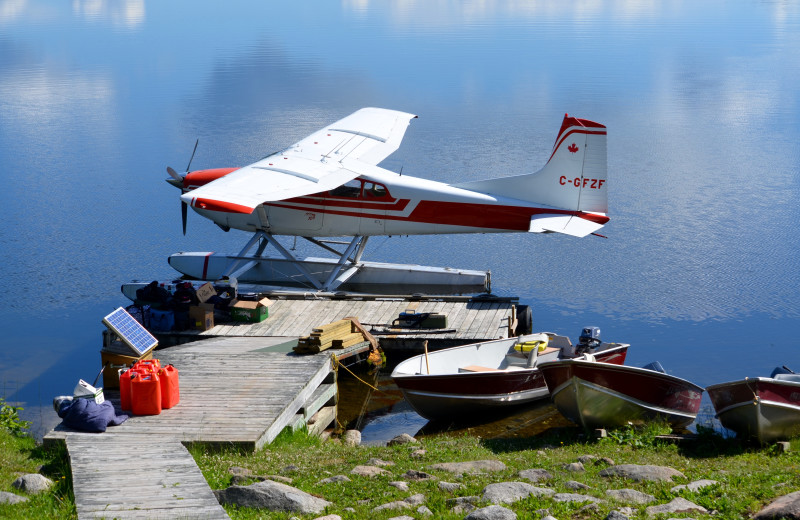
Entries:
{"x":574,"y":181}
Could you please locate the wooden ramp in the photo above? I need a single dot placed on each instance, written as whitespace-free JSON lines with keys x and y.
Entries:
{"x":233,"y":391}
{"x":137,"y":476}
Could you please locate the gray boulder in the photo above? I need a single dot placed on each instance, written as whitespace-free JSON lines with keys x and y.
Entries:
{"x":335,"y":478}
{"x":352,"y":438}
{"x":630,"y":496}
{"x":368,"y":471}
{"x":474,"y":466}
{"x":574,"y":467}
{"x":403,"y":438}
{"x":510,"y":492}
{"x":642,"y":472}
{"x":273,"y":496}
{"x":787,"y":506}
{"x":677,"y":505}
{"x":399,"y":484}
{"x":573,"y":484}
{"x":450,"y":487}
{"x":492,"y":513}
{"x":32,"y":483}
{"x":536,"y":474}
{"x":413,"y":500}
{"x":694,"y":486}
{"x":11,"y":498}
{"x":415,"y":475}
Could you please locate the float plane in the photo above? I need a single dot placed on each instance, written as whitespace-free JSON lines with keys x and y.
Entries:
{"x":330,"y":185}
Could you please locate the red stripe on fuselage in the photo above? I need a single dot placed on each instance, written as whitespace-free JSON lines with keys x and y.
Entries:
{"x":489,"y":216}
{"x":221,"y":206}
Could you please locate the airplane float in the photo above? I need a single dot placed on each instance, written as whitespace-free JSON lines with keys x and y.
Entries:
{"x":330,"y":185}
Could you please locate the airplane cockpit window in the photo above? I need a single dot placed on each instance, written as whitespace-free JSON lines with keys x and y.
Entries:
{"x":374,"y":191}
{"x":350,"y":189}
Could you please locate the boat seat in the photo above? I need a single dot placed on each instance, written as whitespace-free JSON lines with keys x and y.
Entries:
{"x":476,"y":368}
{"x":794,"y":378}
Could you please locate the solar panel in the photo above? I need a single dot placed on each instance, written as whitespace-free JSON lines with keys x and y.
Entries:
{"x":130,"y":331}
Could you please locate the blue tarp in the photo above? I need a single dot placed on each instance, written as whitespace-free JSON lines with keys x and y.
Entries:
{"x":86,"y":415}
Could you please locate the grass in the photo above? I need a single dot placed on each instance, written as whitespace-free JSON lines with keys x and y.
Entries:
{"x":748,"y":477}
{"x":19,"y":454}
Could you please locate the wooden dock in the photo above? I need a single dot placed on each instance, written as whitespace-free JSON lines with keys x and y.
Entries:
{"x":469,"y":320}
{"x":233,"y":391}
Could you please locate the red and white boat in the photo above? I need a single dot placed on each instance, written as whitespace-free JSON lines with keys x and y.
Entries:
{"x":764,"y":409}
{"x":492,"y":376}
{"x":600,"y":395}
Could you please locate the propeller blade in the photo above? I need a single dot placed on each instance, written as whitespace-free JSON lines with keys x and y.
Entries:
{"x":172,"y":173}
{"x":192,"y":157}
{"x":184,"y":209}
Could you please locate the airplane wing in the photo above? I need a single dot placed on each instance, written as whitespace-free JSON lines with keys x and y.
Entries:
{"x":314,"y":164}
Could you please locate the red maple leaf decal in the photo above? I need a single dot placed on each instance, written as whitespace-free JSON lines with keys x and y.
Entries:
{"x":572,"y":148}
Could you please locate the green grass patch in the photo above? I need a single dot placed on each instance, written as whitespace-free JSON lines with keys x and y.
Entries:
{"x":748,"y":477}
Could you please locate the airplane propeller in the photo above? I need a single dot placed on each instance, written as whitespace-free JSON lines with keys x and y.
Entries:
{"x":177,"y":181}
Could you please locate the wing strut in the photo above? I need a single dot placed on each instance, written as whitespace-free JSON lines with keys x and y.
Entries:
{"x":243,"y":262}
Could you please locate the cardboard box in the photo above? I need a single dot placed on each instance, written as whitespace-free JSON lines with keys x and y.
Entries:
{"x":248,"y":311}
{"x":201,"y":317}
{"x":118,"y":355}
{"x":205,"y":291}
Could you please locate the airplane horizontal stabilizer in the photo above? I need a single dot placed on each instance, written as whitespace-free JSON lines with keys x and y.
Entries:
{"x":567,"y":224}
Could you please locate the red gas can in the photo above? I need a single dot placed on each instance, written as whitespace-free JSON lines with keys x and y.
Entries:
{"x":146,"y":394}
{"x":170,"y":393}
{"x":125,"y":376}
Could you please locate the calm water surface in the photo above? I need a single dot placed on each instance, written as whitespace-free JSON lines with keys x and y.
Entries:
{"x":700,"y":270}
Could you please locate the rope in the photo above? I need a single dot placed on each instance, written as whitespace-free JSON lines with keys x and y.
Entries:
{"x":337,"y":364}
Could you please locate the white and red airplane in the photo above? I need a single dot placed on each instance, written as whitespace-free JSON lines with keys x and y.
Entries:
{"x":329,"y":185}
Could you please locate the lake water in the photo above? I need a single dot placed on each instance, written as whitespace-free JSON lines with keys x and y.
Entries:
{"x":700,"y":269}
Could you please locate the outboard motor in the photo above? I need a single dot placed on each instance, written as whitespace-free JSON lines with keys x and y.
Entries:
{"x":589,"y":340}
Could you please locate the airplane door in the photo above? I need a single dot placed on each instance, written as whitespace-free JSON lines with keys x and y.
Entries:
{"x":373,"y":209}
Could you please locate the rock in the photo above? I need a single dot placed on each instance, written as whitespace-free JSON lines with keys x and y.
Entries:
{"x":450,"y":487}
{"x":352,"y":438}
{"x":291,"y":468}
{"x":415,"y":475}
{"x":677,"y":505}
{"x":277,"y":478}
{"x":413,"y":500}
{"x":492,"y":513}
{"x":474,"y":466}
{"x":238,"y":471}
{"x":379,"y":462}
{"x":604,"y":461}
{"x":575,"y":467}
{"x":399,"y":484}
{"x":576,"y":485}
{"x":273,"y":496}
{"x":642,"y":472}
{"x":462,"y":500}
{"x":403,"y":438}
{"x":548,"y":517}
{"x":424,"y":511}
{"x":630,"y":496}
{"x":510,"y":492}
{"x":787,"y":506}
{"x":335,"y":478}
{"x":616,"y":515}
{"x":404,"y":517}
{"x":418,"y":454}
{"x":575,"y":497}
{"x":11,"y":498}
{"x":329,"y":517}
{"x":32,"y":483}
{"x":694,"y":486}
{"x":586,"y":459}
{"x":535,"y":475}
{"x":368,"y":471}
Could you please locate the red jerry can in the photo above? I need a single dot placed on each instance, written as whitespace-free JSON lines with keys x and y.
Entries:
{"x":125,"y":377}
{"x":146,"y":394}
{"x":170,"y":393}
{"x":150,"y":365}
